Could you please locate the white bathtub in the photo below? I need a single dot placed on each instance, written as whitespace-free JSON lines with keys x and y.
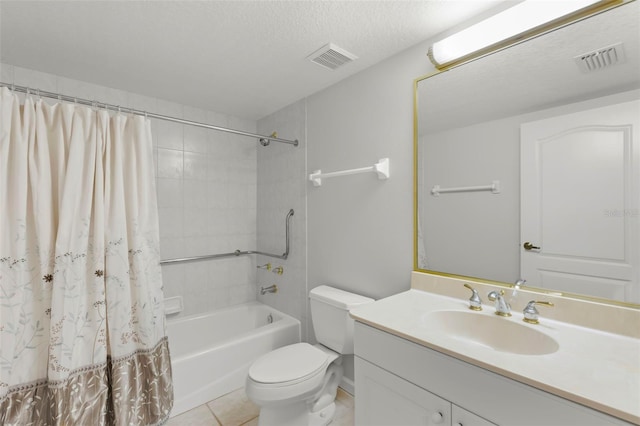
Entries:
{"x":211,"y":353}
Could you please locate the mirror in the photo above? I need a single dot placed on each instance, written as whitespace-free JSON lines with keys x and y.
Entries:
{"x":527,"y":166}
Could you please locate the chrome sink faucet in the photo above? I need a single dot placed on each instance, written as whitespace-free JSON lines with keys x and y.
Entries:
{"x":516,"y":287}
{"x":502,"y":307}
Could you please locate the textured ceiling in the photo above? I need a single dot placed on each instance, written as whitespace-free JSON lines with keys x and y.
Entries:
{"x":245,"y":58}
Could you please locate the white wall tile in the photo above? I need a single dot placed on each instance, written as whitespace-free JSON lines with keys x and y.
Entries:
{"x":170,"y":163}
{"x":216,"y":195}
{"x":196,"y":165}
{"x":81,"y":89}
{"x":171,"y":219}
{"x":281,"y":185}
{"x":198,"y":245}
{"x":173,"y":279}
{"x":217,"y":170}
{"x":196,"y":138}
{"x":196,"y":193}
{"x":169,"y":134}
{"x":242,"y":294}
{"x":218,"y":119}
{"x":195,"y":222}
{"x":196,"y":276}
{"x":140,"y":102}
{"x":194,"y":114}
{"x":170,"y":192}
{"x":172,"y":247}
{"x":35,"y":79}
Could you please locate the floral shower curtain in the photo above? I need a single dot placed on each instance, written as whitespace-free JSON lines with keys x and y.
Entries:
{"x":82,"y":337}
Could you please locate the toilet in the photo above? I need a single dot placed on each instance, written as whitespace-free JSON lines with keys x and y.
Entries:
{"x":296,"y":385}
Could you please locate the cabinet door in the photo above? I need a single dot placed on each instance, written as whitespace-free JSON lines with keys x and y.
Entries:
{"x":462,"y":417}
{"x":384,"y":399}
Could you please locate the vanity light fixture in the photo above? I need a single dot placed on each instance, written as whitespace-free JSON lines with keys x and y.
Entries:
{"x":520,"y":22}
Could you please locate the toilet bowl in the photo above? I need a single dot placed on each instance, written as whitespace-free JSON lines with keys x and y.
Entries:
{"x":296,"y":385}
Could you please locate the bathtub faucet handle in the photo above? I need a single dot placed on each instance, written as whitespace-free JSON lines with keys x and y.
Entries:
{"x":266,"y":266}
{"x":270,"y":289}
{"x":278,"y":270}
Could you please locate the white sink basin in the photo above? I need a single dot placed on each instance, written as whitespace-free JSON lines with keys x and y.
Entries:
{"x":498,"y":333}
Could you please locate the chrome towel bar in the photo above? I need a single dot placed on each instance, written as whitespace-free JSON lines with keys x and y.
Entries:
{"x":494,"y":188}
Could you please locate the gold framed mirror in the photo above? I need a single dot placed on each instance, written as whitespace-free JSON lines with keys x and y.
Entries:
{"x":484,"y":164}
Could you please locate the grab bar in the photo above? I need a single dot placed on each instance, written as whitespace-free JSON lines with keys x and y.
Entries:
{"x":236,"y":253}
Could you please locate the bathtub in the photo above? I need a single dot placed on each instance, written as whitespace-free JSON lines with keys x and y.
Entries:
{"x":211,"y":353}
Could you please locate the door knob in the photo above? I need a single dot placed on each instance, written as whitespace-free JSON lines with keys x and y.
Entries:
{"x":529,"y":246}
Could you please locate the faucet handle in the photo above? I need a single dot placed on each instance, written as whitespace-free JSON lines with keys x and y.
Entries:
{"x":530,"y":312}
{"x":503,"y":308}
{"x":493,"y":295}
{"x":475,"y":303}
{"x":266,"y":266}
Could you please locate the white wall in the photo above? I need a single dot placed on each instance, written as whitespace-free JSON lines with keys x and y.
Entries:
{"x":472,"y":233}
{"x":206,"y":184}
{"x":360,"y":228}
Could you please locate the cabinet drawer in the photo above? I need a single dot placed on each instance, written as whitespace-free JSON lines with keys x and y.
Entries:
{"x":384,"y":399}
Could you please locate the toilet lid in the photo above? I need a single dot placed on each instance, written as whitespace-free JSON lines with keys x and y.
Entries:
{"x":289,"y":363}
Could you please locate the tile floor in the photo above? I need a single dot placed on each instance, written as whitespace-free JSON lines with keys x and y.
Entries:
{"x":235,"y":409}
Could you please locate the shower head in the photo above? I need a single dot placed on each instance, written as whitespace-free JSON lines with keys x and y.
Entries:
{"x":267,"y":141}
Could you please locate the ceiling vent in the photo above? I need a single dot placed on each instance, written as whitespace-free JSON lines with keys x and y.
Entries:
{"x":605,"y":57}
{"x":331,"y":56}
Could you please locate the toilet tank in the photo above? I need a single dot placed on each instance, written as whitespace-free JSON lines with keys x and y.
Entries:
{"x":330,"y":315}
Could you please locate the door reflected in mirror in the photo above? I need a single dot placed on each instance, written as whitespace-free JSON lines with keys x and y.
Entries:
{"x":528,"y":166}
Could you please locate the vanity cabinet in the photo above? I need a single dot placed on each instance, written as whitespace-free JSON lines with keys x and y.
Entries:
{"x":399,"y":382}
{"x":386,"y":400}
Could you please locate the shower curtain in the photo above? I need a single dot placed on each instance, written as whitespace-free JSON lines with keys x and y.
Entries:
{"x":82,"y":333}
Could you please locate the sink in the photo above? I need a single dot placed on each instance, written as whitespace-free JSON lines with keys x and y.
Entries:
{"x":498,"y":333}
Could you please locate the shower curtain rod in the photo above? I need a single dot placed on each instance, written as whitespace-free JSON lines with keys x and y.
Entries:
{"x":264,"y":140}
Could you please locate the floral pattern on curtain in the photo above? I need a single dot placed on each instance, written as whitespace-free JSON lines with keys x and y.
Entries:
{"x":82,"y":332}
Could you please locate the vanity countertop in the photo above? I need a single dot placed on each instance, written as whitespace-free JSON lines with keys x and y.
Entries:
{"x":591,"y":367}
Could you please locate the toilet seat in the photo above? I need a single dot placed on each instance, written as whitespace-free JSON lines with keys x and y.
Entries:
{"x":289,"y":365}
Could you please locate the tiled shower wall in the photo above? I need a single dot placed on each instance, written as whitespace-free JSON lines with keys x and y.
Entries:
{"x":282,"y":185}
{"x":206,"y":184}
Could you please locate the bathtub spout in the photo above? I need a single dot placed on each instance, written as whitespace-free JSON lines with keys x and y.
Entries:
{"x":270,"y":289}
